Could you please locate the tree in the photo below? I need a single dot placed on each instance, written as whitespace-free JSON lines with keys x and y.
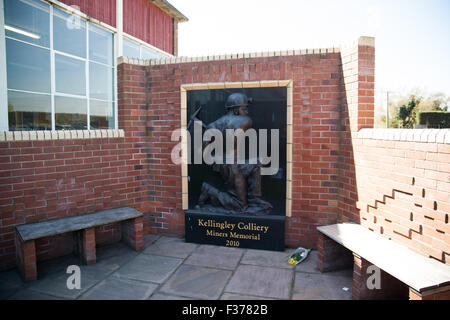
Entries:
{"x":405,"y":110}
{"x":435,"y":102}
{"x":407,"y":113}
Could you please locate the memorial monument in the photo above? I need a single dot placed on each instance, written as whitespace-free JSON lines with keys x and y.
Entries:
{"x":231,"y":202}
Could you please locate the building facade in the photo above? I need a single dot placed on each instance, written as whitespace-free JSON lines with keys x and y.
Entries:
{"x":59,"y":58}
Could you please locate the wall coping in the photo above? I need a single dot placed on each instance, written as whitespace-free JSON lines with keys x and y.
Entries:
{"x":60,"y":135}
{"x":412,"y":135}
{"x":361,"y":41}
{"x":218,"y":57}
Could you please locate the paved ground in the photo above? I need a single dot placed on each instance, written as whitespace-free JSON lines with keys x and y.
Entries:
{"x":170,"y":269}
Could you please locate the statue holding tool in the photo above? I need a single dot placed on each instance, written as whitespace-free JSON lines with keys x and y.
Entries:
{"x":242,"y":179}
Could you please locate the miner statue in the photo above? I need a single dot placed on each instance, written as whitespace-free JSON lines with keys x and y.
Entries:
{"x":241,"y":192}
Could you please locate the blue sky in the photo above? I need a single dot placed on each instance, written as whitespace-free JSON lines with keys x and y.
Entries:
{"x":411,"y":36}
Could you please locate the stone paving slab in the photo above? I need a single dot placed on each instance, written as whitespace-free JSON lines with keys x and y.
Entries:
{"x":235,"y":296}
{"x":10,"y":282}
{"x":120,"y":289}
{"x":329,"y":286}
{"x":113,"y":257}
{"x":261,"y":281}
{"x":171,"y":247}
{"x":215,"y":257}
{"x":56,"y":284}
{"x":309,"y":265}
{"x":163,"y":296}
{"x":171,"y":269}
{"x":53,"y":266}
{"x":266,"y":258}
{"x":28,"y":294}
{"x":150,"y":268}
{"x":197,"y":282}
{"x":150,"y":238}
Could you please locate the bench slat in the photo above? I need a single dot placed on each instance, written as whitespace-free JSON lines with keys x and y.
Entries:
{"x":58,"y":226}
{"x":418,"y":272}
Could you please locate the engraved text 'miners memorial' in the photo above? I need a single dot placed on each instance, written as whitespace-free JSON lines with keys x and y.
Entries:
{"x":237,"y":193}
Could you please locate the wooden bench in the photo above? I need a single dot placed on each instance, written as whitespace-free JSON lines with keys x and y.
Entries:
{"x":84,"y":228}
{"x":402,"y":271}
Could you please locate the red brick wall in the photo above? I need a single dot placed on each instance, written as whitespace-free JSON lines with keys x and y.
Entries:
{"x":136,"y":116}
{"x":42,"y":180}
{"x":317,"y":96}
{"x":394,"y":182}
{"x":357,"y":113}
{"x":403,"y":190}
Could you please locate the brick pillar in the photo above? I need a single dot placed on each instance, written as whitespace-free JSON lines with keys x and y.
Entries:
{"x":382,"y":285}
{"x":133,"y":233}
{"x":86,"y":246}
{"x":358,"y":65}
{"x":26,"y":259}
{"x":331,"y":255}
{"x":360,"y":290}
{"x":136,"y":119}
{"x":442,"y":294}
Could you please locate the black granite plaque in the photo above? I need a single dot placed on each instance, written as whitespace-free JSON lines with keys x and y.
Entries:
{"x":263,"y":232}
{"x":267,"y":112}
{"x":217,"y":212}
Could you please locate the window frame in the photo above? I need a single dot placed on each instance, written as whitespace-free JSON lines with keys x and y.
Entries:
{"x":4,"y":125}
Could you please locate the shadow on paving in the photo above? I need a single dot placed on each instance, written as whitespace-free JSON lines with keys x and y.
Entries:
{"x":170,"y":269}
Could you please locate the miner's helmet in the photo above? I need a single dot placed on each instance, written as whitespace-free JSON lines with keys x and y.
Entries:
{"x":236,"y":100}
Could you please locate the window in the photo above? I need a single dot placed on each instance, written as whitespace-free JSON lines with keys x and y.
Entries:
{"x":28,"y":67}
{"x":130,"y":49}
{"x":28,"y":21}
{"x":70,"y":113}
{"x":149,"y":54}
{"x":27,"y":32}
{"x":69,"y":34}
{"x":60,"y":69}
{"x":70,"y":75}
{"x":133,"y":49}
{"x":100,"y":45}
{"x":101,"y":78}
{"x":29,"y":111}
